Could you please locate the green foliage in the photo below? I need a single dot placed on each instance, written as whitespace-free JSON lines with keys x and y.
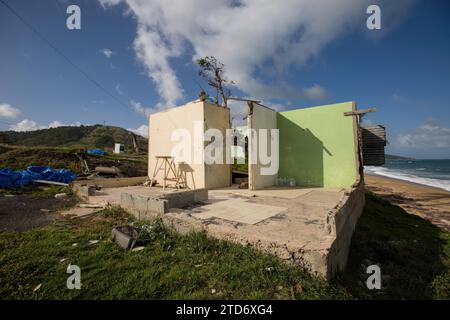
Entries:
{"x":114,"y":212}
{"x":441,"y":286}
{"x":240,"y":167}
{"x":22,"y":157}
{"x":212,"y":71}
{"x":413,"y":254}
{"x":96,"y":136}
{"x":39,"y":191}
{"x":19,"y":158}
{"x":411,"y":251}
{"x":171,"y":266}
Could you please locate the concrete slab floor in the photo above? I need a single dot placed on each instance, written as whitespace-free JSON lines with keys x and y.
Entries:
{"x":247,"y":213}
{"x":279,"y":192}
{"x":292,"y":223}
{"x":297,"y":232}
{"x":300,"y":223}
{"x":291,"y":216}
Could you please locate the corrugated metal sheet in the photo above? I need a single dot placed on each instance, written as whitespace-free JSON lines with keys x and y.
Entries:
{"x":373,"y":143}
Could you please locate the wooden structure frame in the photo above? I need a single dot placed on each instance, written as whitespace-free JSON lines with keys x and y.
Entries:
{"x":169,"y":165}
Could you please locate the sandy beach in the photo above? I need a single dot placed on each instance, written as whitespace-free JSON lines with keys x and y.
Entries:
{"x":430,"y":203}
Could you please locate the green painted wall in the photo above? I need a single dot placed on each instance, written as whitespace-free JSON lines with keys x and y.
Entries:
{"x":317,"y":146}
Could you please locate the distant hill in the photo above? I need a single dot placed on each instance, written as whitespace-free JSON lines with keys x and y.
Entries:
{"x":394,"y":157}
{"x":96,"y":136}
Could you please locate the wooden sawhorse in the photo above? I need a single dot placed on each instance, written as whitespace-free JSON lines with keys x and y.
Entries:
{"x":167,"y":163}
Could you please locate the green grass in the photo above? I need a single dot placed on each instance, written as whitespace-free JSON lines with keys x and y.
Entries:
{"x":173,"y":266}
{"x":39,"y":191}
{"x":240,"y":167}
{"x":170,"y":267}
{"x":414,"y":255}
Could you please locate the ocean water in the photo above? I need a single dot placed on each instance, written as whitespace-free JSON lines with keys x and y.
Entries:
{"x":434,"y":173}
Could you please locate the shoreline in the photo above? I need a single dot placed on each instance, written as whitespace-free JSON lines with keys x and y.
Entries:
{"x":428,"y":202}
{"x":416,"y":184}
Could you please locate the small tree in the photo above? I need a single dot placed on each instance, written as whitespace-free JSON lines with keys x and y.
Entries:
{"x":211,"y":70}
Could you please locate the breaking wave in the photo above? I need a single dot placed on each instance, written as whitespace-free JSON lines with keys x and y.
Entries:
{"x":396,"y":174}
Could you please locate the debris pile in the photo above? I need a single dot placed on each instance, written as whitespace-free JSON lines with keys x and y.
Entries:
{"x":10,"y":179}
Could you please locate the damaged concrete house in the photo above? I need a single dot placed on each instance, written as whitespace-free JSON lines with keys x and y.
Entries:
{"x":304,"y":212}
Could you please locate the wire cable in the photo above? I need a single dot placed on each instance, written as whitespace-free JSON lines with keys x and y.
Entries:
{"x":65,"y":57}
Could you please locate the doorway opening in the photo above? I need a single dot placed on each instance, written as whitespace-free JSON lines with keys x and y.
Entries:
{"x":239,"y":153}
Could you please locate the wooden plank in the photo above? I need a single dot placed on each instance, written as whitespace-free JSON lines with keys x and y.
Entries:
{"x":360,"y":112}
{"x":374,"y":141}
{"x":242,"y":99}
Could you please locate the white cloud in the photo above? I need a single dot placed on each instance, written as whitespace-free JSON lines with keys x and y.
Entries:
{"x":26,"y":125}
{"x":152,"y":51}
{"x":139,"y":109}
{"x":30,"y":125}
{"x":56,"y":124}
{"x":107,"y":52}
{"x":7,"y":111}
{"x":251,"y":37}
{"x":239,"y":111}
{"x":119,"y":89}
{"x":142,"y":131}
{"x":366,"y":122}
{"x":427,"y":136}
{"x":108,"y":3}
{"x":315,"y":92}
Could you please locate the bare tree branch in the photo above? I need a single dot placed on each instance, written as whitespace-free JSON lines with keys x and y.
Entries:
{"x":211,"y":70}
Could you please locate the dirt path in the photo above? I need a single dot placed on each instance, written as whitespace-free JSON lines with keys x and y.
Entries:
{"x":24,"y":212}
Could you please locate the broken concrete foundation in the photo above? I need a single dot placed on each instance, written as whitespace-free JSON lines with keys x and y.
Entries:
{"x":145,"y":206}
{"x":111,"y":182}
{"x":310,"y":227}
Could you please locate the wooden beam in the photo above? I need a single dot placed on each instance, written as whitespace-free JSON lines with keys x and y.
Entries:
{"x":250,"y":108}
{"x":241,"y":99}
{"x":360,"y":112}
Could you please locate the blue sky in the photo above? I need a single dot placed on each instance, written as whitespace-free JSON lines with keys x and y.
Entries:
{"x":289,"y":54}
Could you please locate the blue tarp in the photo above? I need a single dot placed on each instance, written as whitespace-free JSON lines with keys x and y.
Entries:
{"x":10,"y":179}
{"x":97,"y":152}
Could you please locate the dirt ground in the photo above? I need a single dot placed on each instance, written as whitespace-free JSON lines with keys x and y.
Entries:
{"x":24,"y":212}
{"x":429,"y":203}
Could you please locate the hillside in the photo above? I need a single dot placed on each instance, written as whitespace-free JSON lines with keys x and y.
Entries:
{"x":96,"y":136}
{"x":20,"y":157}
{"x":394,"y":157}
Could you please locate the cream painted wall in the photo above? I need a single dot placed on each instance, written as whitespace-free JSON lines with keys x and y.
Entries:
{"x":161,"y":127}
{"x":261,"y":118}
{"x":217,"y":175}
